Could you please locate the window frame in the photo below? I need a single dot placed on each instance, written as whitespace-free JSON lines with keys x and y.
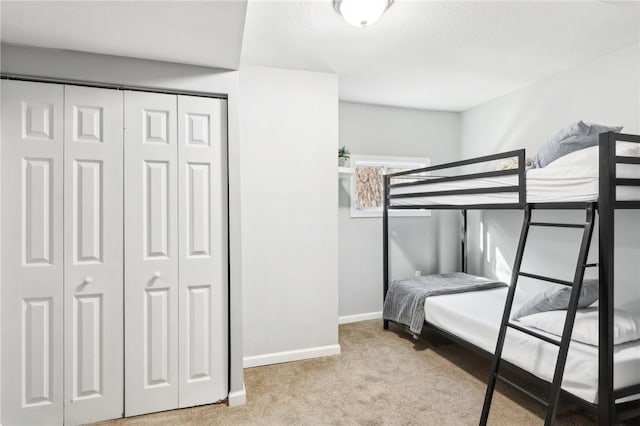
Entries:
{"x":386,"y":162}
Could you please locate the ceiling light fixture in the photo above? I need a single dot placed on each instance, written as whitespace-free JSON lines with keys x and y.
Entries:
{"x":361,"y":13}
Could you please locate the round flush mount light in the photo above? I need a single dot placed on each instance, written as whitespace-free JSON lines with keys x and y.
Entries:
{"x":361,"y":13}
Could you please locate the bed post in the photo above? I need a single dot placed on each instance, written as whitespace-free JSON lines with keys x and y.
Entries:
{"x":606,"y":211}
{"x":385,"y":244}
{"x":522,"y":179}
{"x":463,"y":241}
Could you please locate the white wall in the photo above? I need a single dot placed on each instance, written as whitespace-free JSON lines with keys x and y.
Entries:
{"x":57,"y":64}
{"x":605,"y":91}
{"x":289,"y":122}
{"x":428,"y":244}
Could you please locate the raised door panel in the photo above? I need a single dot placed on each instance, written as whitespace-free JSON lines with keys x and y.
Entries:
{"x":36,"y":222}
{"x":32,"y":253}
{"x":151,"y":253}
{"x":202,"y":179}
{"x":94,"y":271}
{"x":88,"y":350}
{"x":156,"y":338}
{"x":155,"y":206}
{"x":87,"y":192}
{"x":37,"y":342}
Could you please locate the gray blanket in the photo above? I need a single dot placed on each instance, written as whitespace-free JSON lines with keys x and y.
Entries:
{"x":404,"y":303}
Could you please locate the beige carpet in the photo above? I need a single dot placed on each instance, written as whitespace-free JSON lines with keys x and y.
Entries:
{"x":381,"y":378}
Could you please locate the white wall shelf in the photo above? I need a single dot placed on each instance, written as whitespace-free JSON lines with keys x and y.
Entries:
{"x":344,"y":172}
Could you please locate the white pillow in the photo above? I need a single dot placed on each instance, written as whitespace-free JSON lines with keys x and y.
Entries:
{"x":626,"y":325}
{"x":589,"y":156}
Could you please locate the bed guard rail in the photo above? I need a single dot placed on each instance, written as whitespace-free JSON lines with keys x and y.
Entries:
{"x":419,"y":179}
{"x":609,"y":162}
{"x":609,"y":410}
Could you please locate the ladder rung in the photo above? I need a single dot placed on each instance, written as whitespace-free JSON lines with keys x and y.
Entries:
{"x":533,"y":333}
{"x":543,"y":278}
{"x":522,"y":390}
{"x":590,"y":265}
{"x":559,"y":225}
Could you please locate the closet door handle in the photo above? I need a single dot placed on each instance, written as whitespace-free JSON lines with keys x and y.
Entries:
{"x":87,"y":280}
{"x":156,"y":275}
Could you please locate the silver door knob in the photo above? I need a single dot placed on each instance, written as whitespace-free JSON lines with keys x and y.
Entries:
{"x":87,"y":280}
{"x":156,"y":275}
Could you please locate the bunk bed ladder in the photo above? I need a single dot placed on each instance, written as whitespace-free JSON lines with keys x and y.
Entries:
{"x":551,"y":403}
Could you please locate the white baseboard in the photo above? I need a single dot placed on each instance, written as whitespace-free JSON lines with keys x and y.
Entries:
{"x":346,"y":319}
{"x":288,"y":356}
{"x":236,"y":398}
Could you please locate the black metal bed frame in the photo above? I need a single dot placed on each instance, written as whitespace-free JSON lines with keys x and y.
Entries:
{"x":606,"y":410}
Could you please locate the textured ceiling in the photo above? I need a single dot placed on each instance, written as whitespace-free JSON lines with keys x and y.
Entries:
{"x":205,"y":33}
{"x":442,"y":55}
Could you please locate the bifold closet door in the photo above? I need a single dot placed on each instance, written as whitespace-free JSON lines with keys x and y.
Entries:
{"x":32,"y":253}
{"x":68,"y":165}
{"x":93,"y":278}
{"x":151,"y":253}
{"x":175,"y":252}
{"x":202,"y":171}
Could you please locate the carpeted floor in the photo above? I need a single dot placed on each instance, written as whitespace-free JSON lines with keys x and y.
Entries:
{"x":381,"y":378}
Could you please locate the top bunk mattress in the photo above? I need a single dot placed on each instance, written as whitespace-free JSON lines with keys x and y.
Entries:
{"x":547,"y":185}
{"x":475,"y":317}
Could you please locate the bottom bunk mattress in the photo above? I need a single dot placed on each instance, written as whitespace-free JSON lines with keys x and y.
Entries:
{"x":475,"y":317}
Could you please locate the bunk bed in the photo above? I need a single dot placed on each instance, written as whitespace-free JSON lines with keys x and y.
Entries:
{"x":589,"y":374}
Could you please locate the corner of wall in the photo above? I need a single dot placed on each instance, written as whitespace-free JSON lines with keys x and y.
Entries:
{"x":236,"y":373}
{"x":0,"y":276}
{"x":236,"y":398}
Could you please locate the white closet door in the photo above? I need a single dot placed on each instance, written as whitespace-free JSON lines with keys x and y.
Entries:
{"x":32,"y":253}
{"x":151,"y":253}
{"x":202,"y":127}
{"x":93,"y":303}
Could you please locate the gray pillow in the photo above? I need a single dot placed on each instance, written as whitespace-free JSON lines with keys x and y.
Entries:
{"x":555,"y":300}
{"x":577,"y":136}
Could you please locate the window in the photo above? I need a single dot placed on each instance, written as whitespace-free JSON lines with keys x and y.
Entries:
{"x":367,"y":191}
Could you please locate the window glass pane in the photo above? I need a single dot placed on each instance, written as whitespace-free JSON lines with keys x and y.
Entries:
{"x":403,"y":179}
{"x":367,"y":183}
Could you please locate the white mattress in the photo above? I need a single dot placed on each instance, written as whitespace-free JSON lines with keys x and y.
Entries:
{"x":475,"y":317}
{"x":546,"y":185}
